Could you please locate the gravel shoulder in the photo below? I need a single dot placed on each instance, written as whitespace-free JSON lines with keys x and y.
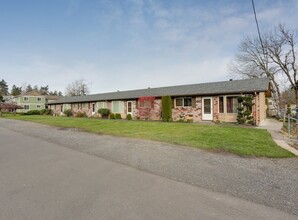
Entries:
{"x":272,"y":182}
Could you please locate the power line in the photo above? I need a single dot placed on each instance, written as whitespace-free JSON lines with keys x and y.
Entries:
{"x":257,"y":23}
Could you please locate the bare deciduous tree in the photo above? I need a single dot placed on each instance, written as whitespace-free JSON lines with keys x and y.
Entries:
{"x":282,"y":54}
{"x":274,"y":57}
{"x":77,"y":88}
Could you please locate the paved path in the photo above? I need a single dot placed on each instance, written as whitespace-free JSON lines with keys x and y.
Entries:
{"x":39,"y":163}
{"x":273,"y":127}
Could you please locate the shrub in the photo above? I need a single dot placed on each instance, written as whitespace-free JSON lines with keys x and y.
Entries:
{"x":33,"y":112}
{"x":46,"y":111}
{"x":104,"y":112}
{"x":112,"y":116}
{"x":117,"y":116}
{"x":81,"y":114}
{"x":166,"y":108}
{"x":245,"y":110}
{"x":68,"y":112}
{"x":49,"y":112}
{"x":43,"y":111}
{"x":129,"y":117}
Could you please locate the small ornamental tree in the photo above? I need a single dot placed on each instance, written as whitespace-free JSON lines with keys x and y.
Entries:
{"x":245,"y":110}
{"x":146,"y":104}
{"x":104,"y":112}
{"x":166,"y":103}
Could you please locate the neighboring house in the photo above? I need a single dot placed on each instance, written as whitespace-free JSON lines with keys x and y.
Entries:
{"x":50,"y":98}
{"x":30,"y":101}
{"x":8,"y":99}
{"x":271,"y":107}
{"x":196,"y":102}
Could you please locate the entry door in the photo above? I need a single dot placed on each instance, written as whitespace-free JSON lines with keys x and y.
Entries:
{"x":129,"y":107}
{"x":207,"y":109}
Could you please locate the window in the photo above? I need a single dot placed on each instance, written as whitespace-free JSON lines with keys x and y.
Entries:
{"x":26,"y":98}
{"x":101,"y":105}
{"x":93,"y":107}
{"x":232,"y":104}
{"x":38,"y":106}
{"x":26,"y":107}
{"x":118,"y":106}
{"x":39,"y":99}
{"x":61,"y":108}
{"x":129,"y":107}
{"x":221,"y":104}
{"x":183,"y":102}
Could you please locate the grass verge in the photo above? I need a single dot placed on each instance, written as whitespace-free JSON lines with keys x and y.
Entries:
{"x":229,"y":138}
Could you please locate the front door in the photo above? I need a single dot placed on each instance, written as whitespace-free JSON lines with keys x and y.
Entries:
{"x":129,"y":107}
{"x":207,"y":109}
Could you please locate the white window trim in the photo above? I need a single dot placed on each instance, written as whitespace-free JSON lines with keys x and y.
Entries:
{"x":183,"y":102}
{"x":40,"y":99}
{"x":27,"y":108}
{"x":119,"y":105}
{"x":104,"y":104}
{"x":127,"y":107}
{"x":25,"y":98}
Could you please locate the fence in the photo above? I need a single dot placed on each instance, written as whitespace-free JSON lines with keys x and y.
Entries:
{"x":290,"y":124}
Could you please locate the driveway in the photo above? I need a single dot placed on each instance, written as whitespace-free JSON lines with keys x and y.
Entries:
{"x":54,"y":173}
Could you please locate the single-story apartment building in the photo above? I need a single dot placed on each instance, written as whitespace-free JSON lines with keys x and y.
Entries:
{"x":216,"y":101}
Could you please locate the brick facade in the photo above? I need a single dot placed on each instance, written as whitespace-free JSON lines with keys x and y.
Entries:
{"x":192,"y":113}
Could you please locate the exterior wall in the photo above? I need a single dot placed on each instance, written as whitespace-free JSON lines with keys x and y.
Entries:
{"x":32,"y":102}
{"x":83,"y":107}
{"x":225,"y":117}
{"x":155,"y":113}
{"x":215,"y":108}
{"x":193,"y":113}
{"x":263,"y":106}
{"x":188,"y":113}
{"x":259,"y":108}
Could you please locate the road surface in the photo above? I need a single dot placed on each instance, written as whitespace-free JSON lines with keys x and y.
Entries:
{"x":40,"y":179}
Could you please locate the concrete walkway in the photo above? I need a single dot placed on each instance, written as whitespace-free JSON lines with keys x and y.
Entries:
{"x":273,"y":127}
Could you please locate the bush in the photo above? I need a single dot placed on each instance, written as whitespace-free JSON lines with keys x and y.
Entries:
{"x":112,"y":116}
{"x":43,"y":111}
{"x":128,"y":117}
{"x":68,"y":112}
{"x":81,"y":114}
{"x":104,"y":112}
{"x":117,"y":116}
{"x":166,"y":108}
{"x":33,"y":112}
{"x":46,"y":111}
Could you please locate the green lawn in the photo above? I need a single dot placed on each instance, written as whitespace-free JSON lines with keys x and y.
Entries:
{"x":229,"y":138}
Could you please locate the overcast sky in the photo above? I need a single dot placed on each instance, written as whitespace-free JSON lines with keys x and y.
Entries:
{"x":128,"y":44}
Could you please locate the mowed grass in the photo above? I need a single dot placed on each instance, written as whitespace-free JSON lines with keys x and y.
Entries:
{"x":228,"y":138}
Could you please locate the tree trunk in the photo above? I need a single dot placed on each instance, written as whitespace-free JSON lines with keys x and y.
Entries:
{"x":296,"y":98}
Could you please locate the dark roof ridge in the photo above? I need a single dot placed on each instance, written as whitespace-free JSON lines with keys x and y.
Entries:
{"x":164,"y":87}
{"x":209,"y":88}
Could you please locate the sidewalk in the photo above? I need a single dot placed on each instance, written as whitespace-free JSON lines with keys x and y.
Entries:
{"x":273,"y":127}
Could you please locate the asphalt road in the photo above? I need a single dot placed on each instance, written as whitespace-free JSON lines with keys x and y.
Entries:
{"x":47,"y":173}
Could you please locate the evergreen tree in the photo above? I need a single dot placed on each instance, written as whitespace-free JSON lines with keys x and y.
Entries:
{"x":29,"y":88}
{"x":3,"y":88}
{"x":44,"y":90}
{"x":16,"y":90}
